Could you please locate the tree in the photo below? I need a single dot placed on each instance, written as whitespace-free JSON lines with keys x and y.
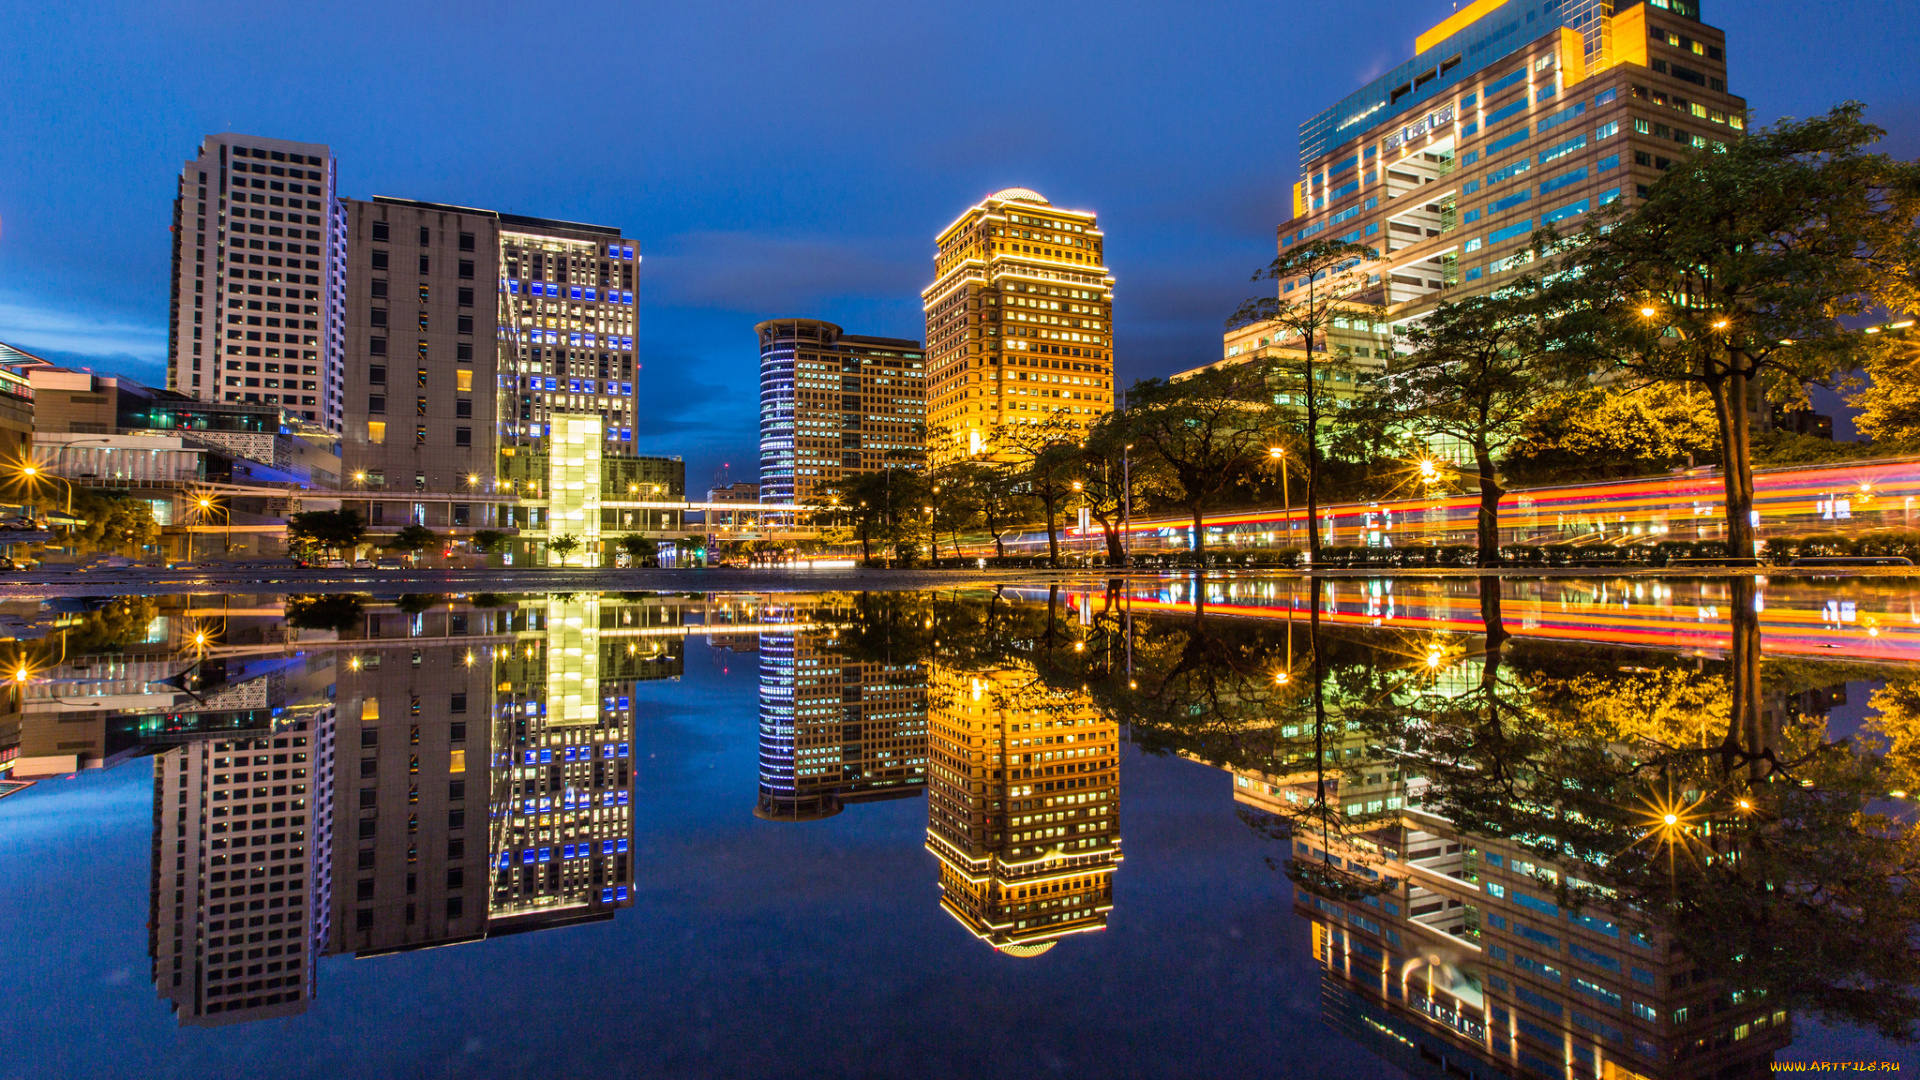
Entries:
{"x":957,"y":498}
{"x":1103,"y":481}
{"x":564,"y":546}
{"x":413,"y":540}
{"x":117,"y":522}
{"x":1314,"y":284}
{"x":1737,"y":271}
{"x":1476,"y":370}
{"x":489,"y":541}
{"x":1890,"y":404}
{"x":327,"y":529}
{"x":1043,"y":456}
{"x":338,"y":612}
{"x":1594,"y":433}
{"x":644,"y":550}
{"x":1207,"y":431}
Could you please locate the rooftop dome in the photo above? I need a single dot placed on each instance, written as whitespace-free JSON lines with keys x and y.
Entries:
{"x":1020,"y":194}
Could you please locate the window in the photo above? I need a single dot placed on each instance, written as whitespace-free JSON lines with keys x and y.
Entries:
{"x":376,"y":434}
{"x":465,"y":297}
{"x":463,"y":436}
{"x":420,"y":437}
{"x":379,"y":259}
{"x":463,"y":351}
{"x":463,"y":381}
{"x":463,"y":409}
{"x":426,"y":237}
{"x":422,"y":377}
{"x":377,"y":375}
{"x":457,"y":701}
{"x":377,"y":316}
{"x":465,"y":269}
{"x":380,"y":230}
{"x":1606,"y":130}
{"x":420,"y":405}
{"x":424,"y":263}
{"x":464,"y":324}
{"x":466,"y":241}
{"x":376,"y":403}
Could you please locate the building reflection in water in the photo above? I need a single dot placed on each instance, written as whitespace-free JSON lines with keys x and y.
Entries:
{"x":1023,"y":805}
{"x":836,"y":727}
{"x":428,"y":778}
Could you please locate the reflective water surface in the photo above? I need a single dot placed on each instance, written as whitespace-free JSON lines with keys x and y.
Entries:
{"x":1602,"y":828}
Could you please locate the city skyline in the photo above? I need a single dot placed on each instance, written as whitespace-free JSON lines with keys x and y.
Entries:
{"x":729,"y":244}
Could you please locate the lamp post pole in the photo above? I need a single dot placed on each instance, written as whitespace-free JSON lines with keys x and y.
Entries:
{"x":1126,"y":514}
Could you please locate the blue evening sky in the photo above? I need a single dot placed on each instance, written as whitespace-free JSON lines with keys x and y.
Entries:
{"x":770,"y":158}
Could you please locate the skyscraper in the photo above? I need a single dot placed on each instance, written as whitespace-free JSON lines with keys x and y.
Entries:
{"x":258,"y":249}
{"x":834,"y":405}
{"x":1512,"y":115}
{"x":1023,"y":786}
{"x":505,"y":324}
{"x":1019,"y":323}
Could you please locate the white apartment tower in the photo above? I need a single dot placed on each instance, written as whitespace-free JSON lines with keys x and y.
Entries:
{"x":259,"y":265}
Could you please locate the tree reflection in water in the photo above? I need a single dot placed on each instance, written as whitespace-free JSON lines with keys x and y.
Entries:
{"x":1735,"y":860}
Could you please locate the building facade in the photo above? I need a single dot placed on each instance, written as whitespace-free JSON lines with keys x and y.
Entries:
{"x":1512,"y":115}
{"x":834,"y":405}
{"x":258,"y":277}
{"x":1023,"y":804}
{"x":1019,"y":323}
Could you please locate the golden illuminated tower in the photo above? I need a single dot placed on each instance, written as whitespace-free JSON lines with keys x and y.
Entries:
{"x":1019,"y":323}
{"x":1023,"y":787}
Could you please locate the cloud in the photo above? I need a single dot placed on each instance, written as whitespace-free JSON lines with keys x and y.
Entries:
{"x":76,"y":335}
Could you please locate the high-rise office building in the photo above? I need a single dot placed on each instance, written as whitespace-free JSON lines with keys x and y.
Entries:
{"x":1019,"y":323}
{"x":834,"y":405}
{"x":835,"y":729}
{"x":1512,"y":115}
{"x":258,"y":250}
{"x":1023,"y":786}
{"x":470,"y":333}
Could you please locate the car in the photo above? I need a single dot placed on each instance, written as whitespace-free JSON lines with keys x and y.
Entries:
{"x":385,"y":565}
{"x":363,"y":564}
{"x":336,"y":564}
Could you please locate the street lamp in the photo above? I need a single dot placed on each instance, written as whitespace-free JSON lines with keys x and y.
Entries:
{"x":1279,"y":454}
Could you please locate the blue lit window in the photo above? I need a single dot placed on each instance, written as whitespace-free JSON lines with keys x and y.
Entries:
{"x":626,"y":252}
{"x":624,"y":701}
{"x":590,"y":294}
{"x":552,"y":384}
{"x":573,"y":293}
{"x":513,"y":287}
{"x":546,"y":854}
{"x":620,"y":893}
{"x":528,"y":856}
{"x":620,"y":846}
{"x":626,"y":298}
{"x":546,"y":757}
{"x":568,"y":852}
{"x":623,"y":749}
{"x":606,"y":896}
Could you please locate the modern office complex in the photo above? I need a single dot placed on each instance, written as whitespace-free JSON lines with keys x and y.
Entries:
{"x":1512,"y":115}
{"x":834,"y":405}
{"x":469,"y":332}
{"x":1019,"y":323}
{"x":835,"y":729}
{"x":1023,"y":786}
{"x":258,"y":277}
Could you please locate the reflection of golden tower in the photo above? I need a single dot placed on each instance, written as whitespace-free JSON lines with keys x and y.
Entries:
{"x":1023,"y":807}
